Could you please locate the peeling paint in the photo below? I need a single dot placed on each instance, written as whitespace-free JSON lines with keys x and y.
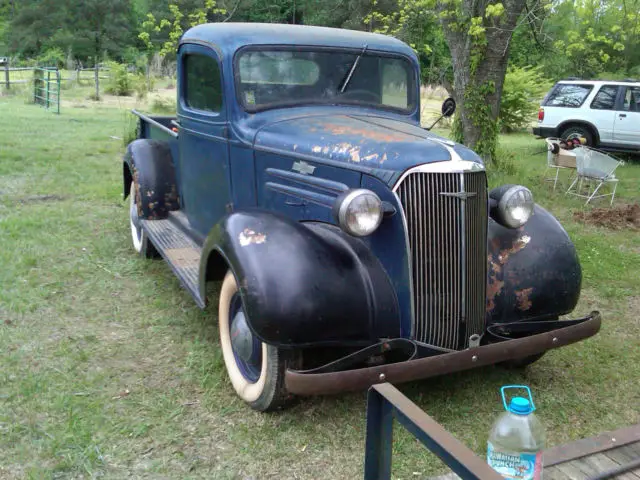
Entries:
{"x":248,"y":237}
{"x":316,"y":149}
{"x":369,"y":133}
{"x":523,"y":299}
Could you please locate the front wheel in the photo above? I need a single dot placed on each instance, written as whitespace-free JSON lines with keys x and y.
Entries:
{"x":256,"y":370}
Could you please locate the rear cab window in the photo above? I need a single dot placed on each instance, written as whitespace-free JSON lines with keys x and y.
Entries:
{"x":570,"y":95}
{"x":203,"y":83}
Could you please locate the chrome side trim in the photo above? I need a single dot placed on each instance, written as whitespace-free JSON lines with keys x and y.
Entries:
{"x":409,"y":262}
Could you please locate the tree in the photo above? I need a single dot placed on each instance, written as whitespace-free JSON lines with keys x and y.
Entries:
{"x":478,"y":34}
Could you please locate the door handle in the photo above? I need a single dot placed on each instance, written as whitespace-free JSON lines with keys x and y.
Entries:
{"x":294,"y":203}
{"x":623,"y":115}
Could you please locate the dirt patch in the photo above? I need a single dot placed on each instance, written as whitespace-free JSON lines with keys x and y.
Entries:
{"x":617,"y":218}
{"x":40,"y":198}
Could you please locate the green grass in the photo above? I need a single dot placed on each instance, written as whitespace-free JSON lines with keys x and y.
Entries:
{"x":108,"y":369}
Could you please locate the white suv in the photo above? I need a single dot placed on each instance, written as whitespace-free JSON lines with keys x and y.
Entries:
{"x":606,"y":114}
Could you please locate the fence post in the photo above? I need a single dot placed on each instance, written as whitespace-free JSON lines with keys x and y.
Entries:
{"x":6,"y":75}
{"x":377,"y":459}
{"x":97,"y":78}
{"x":48,"y":104}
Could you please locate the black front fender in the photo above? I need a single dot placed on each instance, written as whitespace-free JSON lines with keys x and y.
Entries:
{"x":304,"y":284}
{"x":533,"y":271}
{"x":149,"y":163}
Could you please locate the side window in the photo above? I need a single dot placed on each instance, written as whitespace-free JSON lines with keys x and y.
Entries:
{"x":568,"y":95}
{"x":605,"y":99}
{"x":203,"y":85}
{"x":632,"y":99}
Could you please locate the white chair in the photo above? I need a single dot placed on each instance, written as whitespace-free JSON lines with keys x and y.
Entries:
{"x":558,"y":159}
{"x":594,"y":168}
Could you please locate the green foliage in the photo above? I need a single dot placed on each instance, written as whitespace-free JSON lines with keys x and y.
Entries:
{"x":121,"y":82}
{"x":53,"y":57}
{"x":522,"y":91}
{"x":163,"y":105}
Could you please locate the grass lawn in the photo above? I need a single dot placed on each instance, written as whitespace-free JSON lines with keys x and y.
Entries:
{"x":109,"y":370}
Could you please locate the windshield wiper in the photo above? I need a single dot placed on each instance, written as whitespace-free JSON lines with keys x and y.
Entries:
{"x":352,"y":69}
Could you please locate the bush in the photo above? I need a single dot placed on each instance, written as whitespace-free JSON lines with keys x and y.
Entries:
{"x":121,"y":82}
{"x":523,"y":89}
{"x":163,"y":105}
{"x":53,"y":57}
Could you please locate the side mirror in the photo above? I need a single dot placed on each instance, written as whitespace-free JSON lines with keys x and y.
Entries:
{"x":448,"y":107}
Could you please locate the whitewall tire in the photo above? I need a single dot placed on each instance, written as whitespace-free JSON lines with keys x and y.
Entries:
{"x":256,"y":370}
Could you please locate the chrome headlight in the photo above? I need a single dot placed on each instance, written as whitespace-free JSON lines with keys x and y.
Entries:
{"x":359,"y":212}
{"x":514,"y":205}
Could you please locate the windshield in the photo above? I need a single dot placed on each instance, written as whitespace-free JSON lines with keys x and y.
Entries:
{"x":276,"y":78}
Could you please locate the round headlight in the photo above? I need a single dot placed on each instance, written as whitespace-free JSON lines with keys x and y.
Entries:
{"x":515,"y":206}
{"x":359,"y":212}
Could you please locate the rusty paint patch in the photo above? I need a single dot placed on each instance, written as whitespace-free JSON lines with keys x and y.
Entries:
{"x":371,"y":134}
{"x":248,"y":237}
{"x":183,"y":257}
{"x":496,"y":262}
{"x":523,"y":299}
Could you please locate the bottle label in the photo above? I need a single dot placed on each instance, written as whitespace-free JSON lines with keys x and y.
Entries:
{"x":515,"y":465}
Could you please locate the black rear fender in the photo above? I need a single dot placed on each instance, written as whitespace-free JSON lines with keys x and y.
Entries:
{"x":304,"y":284}
{"x":149,"y":163}
{"x":534,"y":271}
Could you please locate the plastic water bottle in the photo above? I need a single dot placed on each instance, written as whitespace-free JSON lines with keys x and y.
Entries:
{"x":517,"y":439}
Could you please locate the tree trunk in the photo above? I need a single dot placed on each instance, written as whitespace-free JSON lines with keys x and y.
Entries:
{"x":479,"y":68}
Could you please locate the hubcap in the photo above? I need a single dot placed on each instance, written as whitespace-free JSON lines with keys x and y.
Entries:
{"x":247,"y":349}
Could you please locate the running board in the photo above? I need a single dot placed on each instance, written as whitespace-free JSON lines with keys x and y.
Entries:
{"x":180,"y":252}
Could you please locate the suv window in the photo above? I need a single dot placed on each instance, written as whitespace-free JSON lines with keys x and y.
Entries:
{"x":568,"y":95}
{"x":203,"y":85}
{"x":605,"y":99}
{"x":632,"y":99}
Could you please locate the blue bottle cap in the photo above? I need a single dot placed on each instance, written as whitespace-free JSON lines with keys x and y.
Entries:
{"x":520,"y":406}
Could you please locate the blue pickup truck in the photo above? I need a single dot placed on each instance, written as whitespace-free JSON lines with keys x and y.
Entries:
{"x":352,"y":245}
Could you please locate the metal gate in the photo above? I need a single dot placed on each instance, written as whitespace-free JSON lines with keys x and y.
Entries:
{"x":46,"y":88}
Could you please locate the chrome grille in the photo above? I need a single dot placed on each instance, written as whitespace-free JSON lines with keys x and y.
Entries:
{"x":448,"y":242}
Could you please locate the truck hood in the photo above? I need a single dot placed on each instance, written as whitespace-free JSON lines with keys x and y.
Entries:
{"x":363,"y":142}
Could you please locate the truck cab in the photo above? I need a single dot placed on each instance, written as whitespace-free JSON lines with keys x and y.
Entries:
{"x":352,"y":245}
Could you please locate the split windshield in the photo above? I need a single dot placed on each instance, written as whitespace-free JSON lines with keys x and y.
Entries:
{"x":276,"y":78}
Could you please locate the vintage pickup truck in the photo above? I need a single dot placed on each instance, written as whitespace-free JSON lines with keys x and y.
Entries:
{"x":353,"y":245}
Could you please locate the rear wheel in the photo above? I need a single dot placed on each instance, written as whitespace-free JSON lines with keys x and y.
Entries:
{"x":577,"y":131}
{"x":256,"y":370}
{"x":139,"y":237}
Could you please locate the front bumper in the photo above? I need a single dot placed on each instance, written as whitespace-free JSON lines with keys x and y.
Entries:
{"x":301,"y":383}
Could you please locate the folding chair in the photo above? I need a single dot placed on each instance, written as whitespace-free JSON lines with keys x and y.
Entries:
{"x":558,"y":158}
{"x":597,"y":168}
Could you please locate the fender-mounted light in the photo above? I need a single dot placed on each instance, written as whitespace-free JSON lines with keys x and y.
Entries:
{"x":359,"y":212}
{"x":511,"y":205}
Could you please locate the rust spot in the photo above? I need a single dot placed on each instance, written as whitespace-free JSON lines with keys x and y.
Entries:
{"x":375,"y":134}
{"x":248,"y":237}
{"x":496,"y":262}
{"x":523,"y":300}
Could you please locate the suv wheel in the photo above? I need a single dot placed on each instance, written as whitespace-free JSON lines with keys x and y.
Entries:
{"x":576,"y":131}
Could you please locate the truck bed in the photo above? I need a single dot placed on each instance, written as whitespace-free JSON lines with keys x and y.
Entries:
{"x":157,"y":127}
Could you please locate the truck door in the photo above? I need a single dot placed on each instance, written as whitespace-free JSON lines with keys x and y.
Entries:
{"x":204,"y":149}
{"x":626,"y":130}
